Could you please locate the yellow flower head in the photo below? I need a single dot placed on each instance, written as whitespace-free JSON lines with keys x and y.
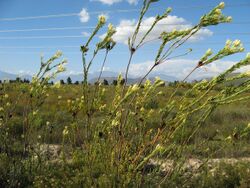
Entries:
{"x":248,"y":56}
{"x":237,"y":43}
{"x":209,"y":52}
{"x":221,"y":5}
{"x":58,"y":54}
{"x":102,"y":19}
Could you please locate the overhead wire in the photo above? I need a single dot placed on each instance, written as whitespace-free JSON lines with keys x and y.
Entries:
{"x":110,"y":11}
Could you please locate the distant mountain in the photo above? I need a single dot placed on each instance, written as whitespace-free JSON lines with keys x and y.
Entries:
{"x":163,"y":77}
{"x":110,"y":80}
{"x":7,"y":76}
{"x":92,"y":77}
{"x":10,"y":76}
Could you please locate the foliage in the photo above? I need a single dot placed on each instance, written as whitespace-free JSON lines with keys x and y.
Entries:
{"x":110,"y":143}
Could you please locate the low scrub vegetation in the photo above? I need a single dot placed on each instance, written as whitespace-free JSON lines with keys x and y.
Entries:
{"x":140,"y":135}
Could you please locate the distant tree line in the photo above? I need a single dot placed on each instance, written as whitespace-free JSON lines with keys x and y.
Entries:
{"x":17,"y":80}
{"x":105,"y":82}
{"x":63,"y":82}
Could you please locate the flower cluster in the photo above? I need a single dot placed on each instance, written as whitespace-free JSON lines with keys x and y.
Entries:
{"x":168,"y":36}
{"x":215,"y":17}
{"x":100,"y":24}
{"x":58,"y":54}
{"x":108,"y":43}
{"x":231,"y":47}
{"x":101,"y":20}
{"x":61,"y":68}
{"x":74,"y":106}
{"x":65,"y":131}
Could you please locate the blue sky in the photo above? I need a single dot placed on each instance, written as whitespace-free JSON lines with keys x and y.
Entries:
{"x":19,"y":54}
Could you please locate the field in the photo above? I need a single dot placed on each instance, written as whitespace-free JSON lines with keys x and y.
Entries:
{"x":229,"y":120}
{"x":219,"y":138}
{"x":148,"y":133}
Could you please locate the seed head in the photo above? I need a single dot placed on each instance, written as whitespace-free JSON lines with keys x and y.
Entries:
{"x":169,"y":9}
{"x":159,"y":148}
{"x":209,"y":52}
{"x":61,"y":68}
{"x":229,"y":19}
{"x":218,"y":11}
{"x":58,"y":54}
{"x":237,"y":43}
{"x":221,"y":5}
{"x":248,"y":56}
{"x":241,"y":49}
{"x":110,"y":27}
{"x":34,"y":113}
{"x":228,"y":42}
{"x":65,"y":131}
{"x":134,"y":88}
{"x":102,"y":19}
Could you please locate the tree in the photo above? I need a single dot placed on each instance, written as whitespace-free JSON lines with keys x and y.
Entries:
{"x":62,"y":82}
{"x":105,"y":82}
{"x":26,"y":80}
{"x":18,"y":79}
{"x":114,"y":82}
{"x":76,"y":83}
{"x":69,"y":81}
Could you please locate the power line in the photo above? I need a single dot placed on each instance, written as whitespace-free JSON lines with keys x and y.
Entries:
{"x":42,"y":37}
{"x":110,"y":11}
{"x":82,"y":36}
{"x":36,"y":47}
{"x":78,"y":52}
{"x":39,"y":17}
{"x":75,"y":46}
{"x":92,"y":27}
{"x":47,"y":29}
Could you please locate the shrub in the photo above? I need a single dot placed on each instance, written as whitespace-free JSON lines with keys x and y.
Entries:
{"x":110,"y":142}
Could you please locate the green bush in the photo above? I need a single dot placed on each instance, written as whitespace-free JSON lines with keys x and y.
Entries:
{"x":115,"y":136}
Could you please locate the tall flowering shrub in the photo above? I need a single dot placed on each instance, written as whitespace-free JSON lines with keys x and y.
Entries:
{"x":112,"y":143}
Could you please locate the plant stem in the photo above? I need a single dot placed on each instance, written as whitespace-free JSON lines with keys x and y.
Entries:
{"x":150,"y":70}
{"x":127,"y":69}
{"x":104,"y":61}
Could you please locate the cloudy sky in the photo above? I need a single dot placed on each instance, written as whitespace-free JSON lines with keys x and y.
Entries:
{"x":29,"y":28}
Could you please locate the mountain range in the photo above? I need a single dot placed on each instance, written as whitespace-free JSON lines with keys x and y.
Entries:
{"x":92,"y":77}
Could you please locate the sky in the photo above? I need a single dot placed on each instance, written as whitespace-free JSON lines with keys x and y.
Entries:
{"x":28,"y":30}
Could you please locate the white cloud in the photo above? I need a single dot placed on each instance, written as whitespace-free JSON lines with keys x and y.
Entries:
{"x":24,"y":72}
{"x":182,"y":67}
{"x":85,"y":34}
{"x":71,"y":72}
{"x":84,"y":15}
{"x":106,"y":68}
{"x":126,"y":28}
{"x":132,"y":2}
{"x":109,"y":2}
